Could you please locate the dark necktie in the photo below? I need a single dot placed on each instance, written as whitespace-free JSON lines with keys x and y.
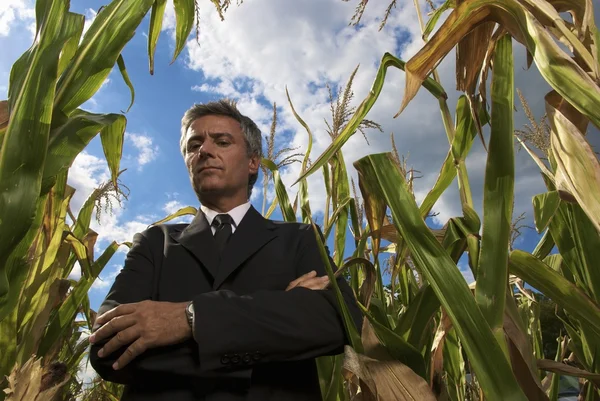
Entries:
{"x":222,"y":222}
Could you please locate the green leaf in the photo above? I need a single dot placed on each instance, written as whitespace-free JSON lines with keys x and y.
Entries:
{"x":560,"y":290}
{"x":578,"y":165}
{"x":125,"y":75}
{"x":363,"y":109}
{"x":487,"y":358}
{"x":397,"y":346}
{"x":414,"y":321}
{"x":349,"y":325}
{"x":100,"y":48}
{"x":544,"y":207}
{"x":69,"y":139}
{"x":184,"y":211}
{"x":436,"y":17}
{"x":71,"y":45}
{"x":303,"y":190}
{"x":282,"y":196}
{"x":340,"y":191}
{"x":579,"y":244}
{"x":112,"y":137}
{"x":492,"y":272}
{"x":334,"y":217}
{"x":185,"y":11}
{"x":557,"y":67}
{"x":461,"y":144}
{"x":544,"y":246}
{"x":33,"y":80}
{"x":156,"y":20}
{"x":67,"y":311}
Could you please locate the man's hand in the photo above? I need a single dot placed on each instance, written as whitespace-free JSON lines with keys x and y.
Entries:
{"x":310,"y":281}
{"x":144,"y":325}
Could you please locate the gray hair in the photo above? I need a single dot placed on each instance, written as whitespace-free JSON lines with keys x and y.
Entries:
{"x":226,"y":107}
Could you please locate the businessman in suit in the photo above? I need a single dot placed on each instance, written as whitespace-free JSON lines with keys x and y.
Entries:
{"x":230,"y":307}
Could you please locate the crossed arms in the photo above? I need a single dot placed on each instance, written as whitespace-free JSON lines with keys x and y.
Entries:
{"x":232,"y":332}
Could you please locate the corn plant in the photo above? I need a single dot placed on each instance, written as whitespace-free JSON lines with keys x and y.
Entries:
{"x":42,"y":130}
{"x":484,"y":320}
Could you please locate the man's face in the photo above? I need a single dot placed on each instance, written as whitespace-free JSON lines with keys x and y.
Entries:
{"x":217,"y":159}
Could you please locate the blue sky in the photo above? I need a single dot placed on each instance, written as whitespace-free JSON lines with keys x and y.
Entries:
{"x":262,"y":47}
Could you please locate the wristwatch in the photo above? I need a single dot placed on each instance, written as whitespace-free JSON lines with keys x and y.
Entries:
{"x":189,"y":314}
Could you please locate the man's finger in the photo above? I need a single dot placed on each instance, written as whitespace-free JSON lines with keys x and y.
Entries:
{"x":120,"y":310}
{"x":295,"y":282}
{"x":115,"y":325}
{"x":122,"y":338}
{"x":132,"y":352}
{"x":315,"y":283}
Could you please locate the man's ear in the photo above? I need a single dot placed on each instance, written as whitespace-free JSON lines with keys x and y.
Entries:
{"x":254,"y":164}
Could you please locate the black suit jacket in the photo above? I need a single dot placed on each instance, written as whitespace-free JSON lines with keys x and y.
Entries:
{"x":254,"y":340}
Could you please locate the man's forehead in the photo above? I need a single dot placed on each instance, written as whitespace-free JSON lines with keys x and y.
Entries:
{"x":214,"y":124}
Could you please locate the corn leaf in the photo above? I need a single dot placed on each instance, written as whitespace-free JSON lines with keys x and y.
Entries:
{"x":156,"y":20}
{"x":577,"y":161}
{"x":361,"y":112}
{"x":125,"y":75}
{"x":488,"y":361}
{"x":24,"y":143}
{"x":398,"y":347}
{"x":185,"y":11}
{"x":544,"y":207}
{"x":349,"y":325}
{"x":67,"y":311}
{"x":112,"y":137}
{"x":544,"y":246}
{"x":461,"y":144}
{"x":303,"y":190}
{"x":69,"y":139}
{"x":559,"y":367}
{"x":282,"y":196}
{"x":340,"y":192}
{"x":98,"y":52}
{"x":492,"y":272}
{"x":579,"y":245}
{"x":184,"y":211}
{"x":556,"y":66}
{"x":413,"y":323}
{"x":564,"y":293}
{"x":71,"y":46}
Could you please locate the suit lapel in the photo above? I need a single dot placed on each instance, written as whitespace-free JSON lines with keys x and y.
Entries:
{"x":198,"y":239}
{"x":253,"y":232}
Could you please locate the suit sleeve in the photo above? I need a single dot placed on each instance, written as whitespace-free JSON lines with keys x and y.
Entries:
{"x":135,"y":284}
{"x":236,"y":332}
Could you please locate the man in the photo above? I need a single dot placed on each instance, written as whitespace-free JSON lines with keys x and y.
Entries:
{"x":230,"y":307}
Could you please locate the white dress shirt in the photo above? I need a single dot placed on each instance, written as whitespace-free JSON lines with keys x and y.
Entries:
{"x":237,"y":214}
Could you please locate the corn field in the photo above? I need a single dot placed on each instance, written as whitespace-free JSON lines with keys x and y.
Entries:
{"x":427,"y":335}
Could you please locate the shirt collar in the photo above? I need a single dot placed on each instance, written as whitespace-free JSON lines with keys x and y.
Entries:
{"x":237,"y":213}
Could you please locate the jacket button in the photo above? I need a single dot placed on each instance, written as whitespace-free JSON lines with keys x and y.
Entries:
{"x":225,"y":359}
{"x":247,"y":358}
{"x":235,"y":359}
{"x":256,"y":356}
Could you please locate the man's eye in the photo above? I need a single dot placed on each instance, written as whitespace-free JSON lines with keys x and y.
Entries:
{"x":193,"y":146}
{"x":222,"y":143}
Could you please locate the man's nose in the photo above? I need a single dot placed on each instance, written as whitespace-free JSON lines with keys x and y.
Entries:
{"x":206,"y":150}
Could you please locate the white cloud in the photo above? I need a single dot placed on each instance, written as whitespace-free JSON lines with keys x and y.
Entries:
{"x":87,"y":173}
{"x":90,"y":16}
{"x":172,"y":206}
{"x":15,"y":11}
{"x":254,"y":63}
{"x":146,"y":148}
